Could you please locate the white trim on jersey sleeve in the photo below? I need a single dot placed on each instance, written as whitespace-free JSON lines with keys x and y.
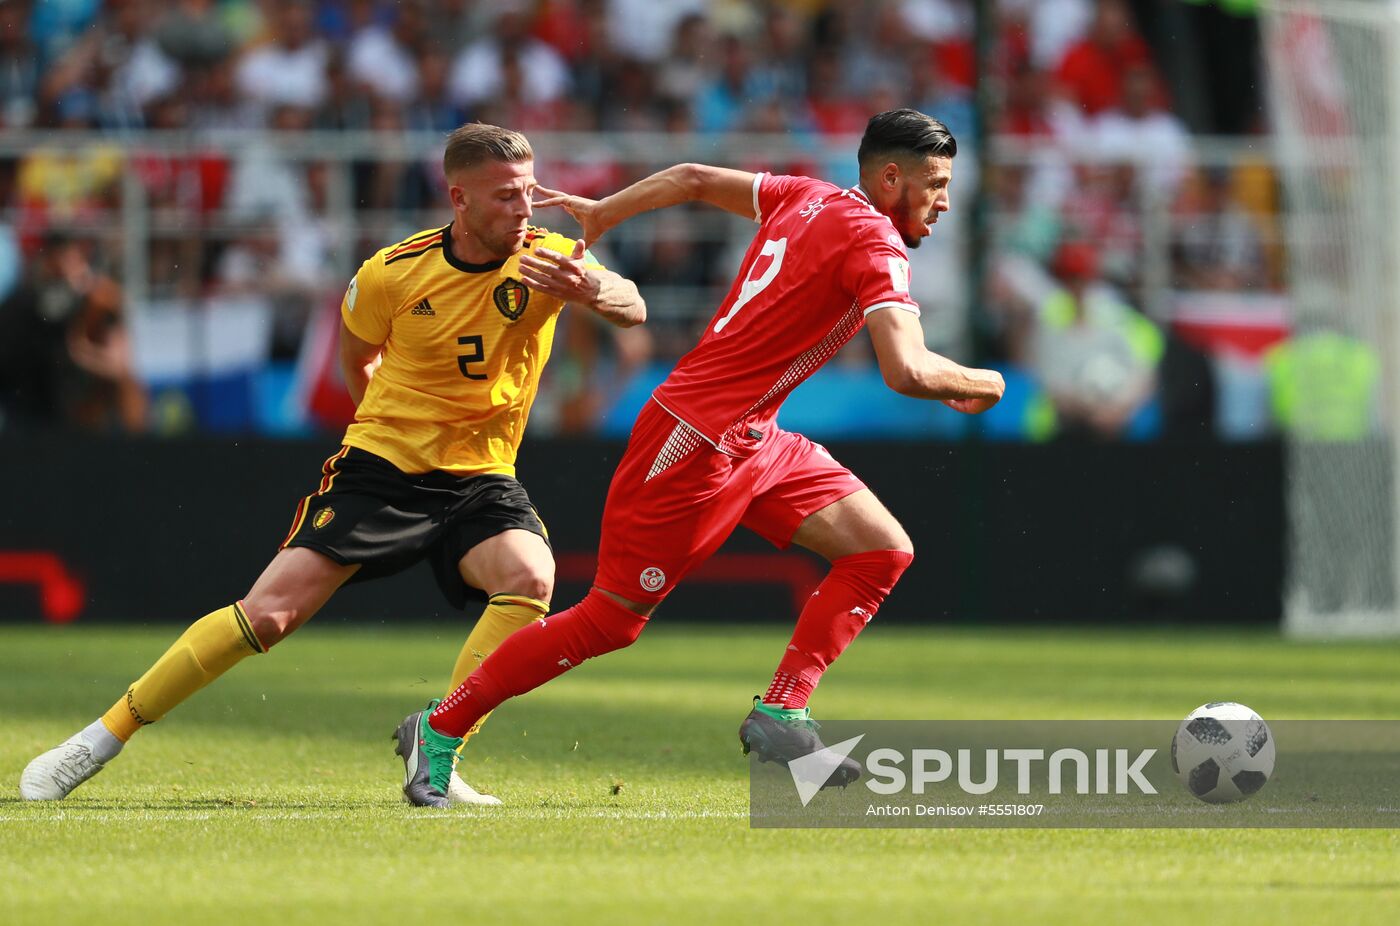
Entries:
{"x":906,"y":306}
{"x":757,"y":181}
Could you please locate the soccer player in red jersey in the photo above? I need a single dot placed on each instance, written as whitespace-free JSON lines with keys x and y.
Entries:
{"x":707,"y":455}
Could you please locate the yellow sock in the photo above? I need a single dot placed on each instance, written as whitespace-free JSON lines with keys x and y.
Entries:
{"x":207,"y":649}
{"x":504,"y":615}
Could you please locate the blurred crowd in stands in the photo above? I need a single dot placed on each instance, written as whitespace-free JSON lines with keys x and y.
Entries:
{"x":1130,"y":288}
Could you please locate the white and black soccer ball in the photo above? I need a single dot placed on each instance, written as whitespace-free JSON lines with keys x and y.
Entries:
{"x":1223,"y":752}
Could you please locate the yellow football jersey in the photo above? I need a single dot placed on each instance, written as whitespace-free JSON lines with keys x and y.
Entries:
{"x":464,"y":345}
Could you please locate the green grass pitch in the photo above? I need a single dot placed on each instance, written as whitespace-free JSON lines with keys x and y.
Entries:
{"x":272,"y":797}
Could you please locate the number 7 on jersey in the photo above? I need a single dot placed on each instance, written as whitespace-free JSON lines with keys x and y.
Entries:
{"x":774,"y":247}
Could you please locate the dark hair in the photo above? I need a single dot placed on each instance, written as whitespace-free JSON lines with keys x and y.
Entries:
{"x":905,"y":132}
{"x":476,"y":142}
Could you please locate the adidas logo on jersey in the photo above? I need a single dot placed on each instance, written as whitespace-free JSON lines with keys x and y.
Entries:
{"x":423,"y":308}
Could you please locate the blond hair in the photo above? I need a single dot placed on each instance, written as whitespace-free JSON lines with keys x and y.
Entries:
{"x":475,"y":142}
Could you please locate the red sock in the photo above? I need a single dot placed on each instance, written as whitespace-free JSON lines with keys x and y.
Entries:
{"x":839,"y":609}
{"x":535,"y":654}
{"x":788,"y":690}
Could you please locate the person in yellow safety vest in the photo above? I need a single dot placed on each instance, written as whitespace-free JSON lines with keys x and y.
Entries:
{"x":1324,"y":389}
{"x":1095,"y":357}
{"x":1324,"y":386}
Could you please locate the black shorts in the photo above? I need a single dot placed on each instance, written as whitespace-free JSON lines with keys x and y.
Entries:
{"x":368,"y":511}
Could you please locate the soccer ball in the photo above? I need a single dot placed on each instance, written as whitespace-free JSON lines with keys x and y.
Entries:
{"x":1223,"y":752}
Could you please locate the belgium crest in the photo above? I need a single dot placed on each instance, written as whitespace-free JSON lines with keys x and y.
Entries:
{"x":323,"y":517}
{"x":511,"y":297}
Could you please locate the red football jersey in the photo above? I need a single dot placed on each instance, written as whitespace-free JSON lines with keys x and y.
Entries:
{"x":822,"y":260}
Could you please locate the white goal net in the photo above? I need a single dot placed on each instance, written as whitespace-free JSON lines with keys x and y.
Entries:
{"x":1334,"y":83}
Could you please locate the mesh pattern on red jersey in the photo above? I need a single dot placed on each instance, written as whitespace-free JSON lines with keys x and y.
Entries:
{"x":802,"y":367}
{"x":678,"y":446}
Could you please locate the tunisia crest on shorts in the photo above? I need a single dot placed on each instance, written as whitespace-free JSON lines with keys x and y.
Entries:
{"x":511,"y":298}
{"x":652,"y":579}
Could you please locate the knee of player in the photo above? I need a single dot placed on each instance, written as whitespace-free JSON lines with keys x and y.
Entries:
{"x":618,"y":621}
{"x":623,"y":633}
{"x":894,"y":539}
{"x":529,"y":580}
{"x":888,"y":534}
{"x":881,"y":567}
{"x":271,"y":623}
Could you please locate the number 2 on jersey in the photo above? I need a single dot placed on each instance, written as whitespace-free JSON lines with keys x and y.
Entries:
{"x":775,"y":247}
{"x":478,"y":354}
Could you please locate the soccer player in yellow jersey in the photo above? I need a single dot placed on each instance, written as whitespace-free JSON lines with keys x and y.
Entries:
{"x":442,"y":341}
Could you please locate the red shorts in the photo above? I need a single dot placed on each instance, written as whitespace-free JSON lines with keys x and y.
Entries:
{"x":675,"y":499}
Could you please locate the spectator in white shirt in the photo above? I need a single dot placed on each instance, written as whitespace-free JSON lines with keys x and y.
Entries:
{"x":479,"y":74}
{"x":290,"y":70}
{"x":1053,"y":26}
{"x":938,"y":20}
{"x":137,"y":70}
{"x":1144,"y":131}
{"x":644,"y":29}
{"x":384,"y":60}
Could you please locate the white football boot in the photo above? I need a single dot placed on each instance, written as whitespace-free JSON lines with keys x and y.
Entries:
{"x":54,"y":775}
{"x":459,"y":792}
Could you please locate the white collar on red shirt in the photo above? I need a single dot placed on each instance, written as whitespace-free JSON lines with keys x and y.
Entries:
{"x":860,"y":191}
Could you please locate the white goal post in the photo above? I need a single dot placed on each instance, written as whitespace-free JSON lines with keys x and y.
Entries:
{"x":1334,"y":91}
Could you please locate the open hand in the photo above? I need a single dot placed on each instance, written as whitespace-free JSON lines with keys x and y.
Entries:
{"x":584,"y":211}
{"x":562,"y":276}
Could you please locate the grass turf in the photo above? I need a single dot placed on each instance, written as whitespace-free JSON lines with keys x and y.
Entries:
{"x":272,"y":796}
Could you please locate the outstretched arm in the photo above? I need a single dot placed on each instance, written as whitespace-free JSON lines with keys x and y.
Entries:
{"x":911,"y":369}
{"x":565,"y":276}
{"x":731,"y":190}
